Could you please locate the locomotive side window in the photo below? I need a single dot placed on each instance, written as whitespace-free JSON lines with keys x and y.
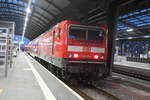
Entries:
{"x":77,"y":33}
{"x":95,"y":35}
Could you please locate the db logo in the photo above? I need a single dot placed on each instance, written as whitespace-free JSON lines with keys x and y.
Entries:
{"x":86,"y":49}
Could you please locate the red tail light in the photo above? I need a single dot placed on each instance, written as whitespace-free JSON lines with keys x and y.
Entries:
{"x":96,"y":57}
{"x":75,"y":55}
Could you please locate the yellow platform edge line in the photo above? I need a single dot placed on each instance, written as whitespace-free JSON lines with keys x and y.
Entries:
{"x":1,"y":90}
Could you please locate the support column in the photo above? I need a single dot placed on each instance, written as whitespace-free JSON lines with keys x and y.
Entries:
{"x":122,"y":48}
{"x":112,"y":16}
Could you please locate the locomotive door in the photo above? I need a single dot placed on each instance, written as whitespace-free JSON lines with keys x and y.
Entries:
{"x":53,"y":42}
{"x":56,"y":37}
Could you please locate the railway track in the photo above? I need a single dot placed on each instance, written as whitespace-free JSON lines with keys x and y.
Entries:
{"x":81,"y":93}
{"x":133,"y":73}
{"x":114,"y":88}
{"x":90,"y":92}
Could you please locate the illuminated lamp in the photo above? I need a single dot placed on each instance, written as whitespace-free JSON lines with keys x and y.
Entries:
{"x":75,"y":55}
{"x":96,"y":56}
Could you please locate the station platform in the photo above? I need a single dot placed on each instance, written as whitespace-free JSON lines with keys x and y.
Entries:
{"x":134,"y":64}
{"x":29,"y":80}
{"x":140,"y":70}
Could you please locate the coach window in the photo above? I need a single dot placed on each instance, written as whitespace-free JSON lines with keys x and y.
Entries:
{"x":59,"y":31}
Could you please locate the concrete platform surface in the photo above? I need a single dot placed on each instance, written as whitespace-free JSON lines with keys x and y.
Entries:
{"x":20,"y":83}
{"x":29,"y":80}
{"x":134,"y":64}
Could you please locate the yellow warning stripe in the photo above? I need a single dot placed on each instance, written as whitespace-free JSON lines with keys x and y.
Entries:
{"x":1,"y":90}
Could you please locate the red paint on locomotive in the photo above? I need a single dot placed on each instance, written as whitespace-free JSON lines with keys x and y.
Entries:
{"x":69,"y":43}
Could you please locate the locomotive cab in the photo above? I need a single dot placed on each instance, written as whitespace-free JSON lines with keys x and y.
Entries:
{"x":86,"y":43}
{"x":86,"y":49}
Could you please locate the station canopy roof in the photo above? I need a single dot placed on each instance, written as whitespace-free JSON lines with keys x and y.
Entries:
{"x":135,"y":24}
{"x":134,"y":15}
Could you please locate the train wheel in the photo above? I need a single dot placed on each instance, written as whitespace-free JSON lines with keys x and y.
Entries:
{"x":51,"y":68}
{"x":58,"y":72}
{"x":48,"y":67}
{"x":66,"y":75}
{"x":63,"y":73}
{"x":39,"y":60}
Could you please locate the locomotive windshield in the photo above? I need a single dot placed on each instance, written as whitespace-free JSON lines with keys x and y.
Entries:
{"x":86,"y":33}
{"x":77,"y":33}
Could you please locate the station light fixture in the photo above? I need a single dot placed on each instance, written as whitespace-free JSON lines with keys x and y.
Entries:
{"x":129,"y":30}
{"x":22,"y":42}
{"x":146,"y":36}
{"x":117,"y":39}
{"x":25,"y":24}
{"x":28,"y":10}
{"x":130,"y":37}
{"x":26,"y":19}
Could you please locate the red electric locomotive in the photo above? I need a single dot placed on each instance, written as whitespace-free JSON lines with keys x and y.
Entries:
{"x":72,"y":49}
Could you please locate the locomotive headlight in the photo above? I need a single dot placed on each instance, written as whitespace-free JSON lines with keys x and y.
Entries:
{"x":69,"y":55}
{"x":96,"y":56}
{"x":102,"y":57}
{"x":75,"y":55}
